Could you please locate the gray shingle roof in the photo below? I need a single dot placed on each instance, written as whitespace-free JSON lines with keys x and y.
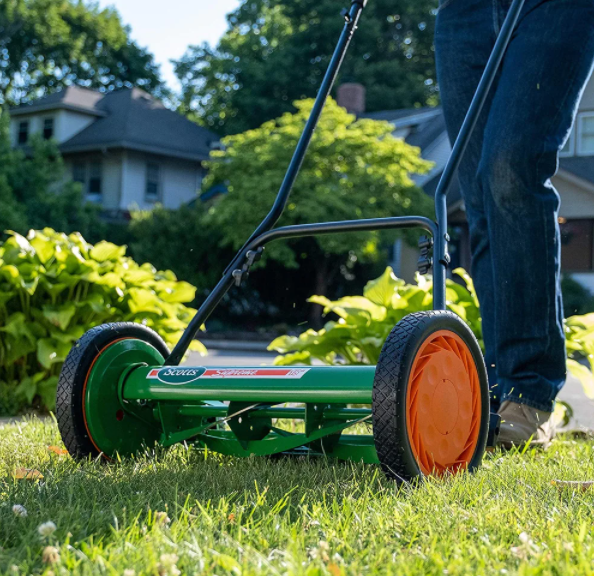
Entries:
{"x":428,"y":132}
{"x":580,"y":166}
{"x":71,"y":98}
{"x":129,"y":119}
{"x":395,"y":115}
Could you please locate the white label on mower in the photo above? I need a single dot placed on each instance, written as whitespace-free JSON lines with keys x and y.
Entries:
{"x":246,"y":373}
{"x":179,"y":376}
{"x":175,"y":376}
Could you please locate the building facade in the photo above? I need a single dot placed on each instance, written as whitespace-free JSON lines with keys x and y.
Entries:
{"x":125,"y":148}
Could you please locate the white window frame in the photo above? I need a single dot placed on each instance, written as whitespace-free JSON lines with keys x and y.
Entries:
{"x":159,"y":196}
{"x":580,"y":119}
{"x":94,"y":196}
{"x":571,"y":143}
{"x":26,"y":122}
{"x":44,"y":120}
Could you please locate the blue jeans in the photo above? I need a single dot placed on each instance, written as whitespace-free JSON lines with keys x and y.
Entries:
{"x":511,"y":205}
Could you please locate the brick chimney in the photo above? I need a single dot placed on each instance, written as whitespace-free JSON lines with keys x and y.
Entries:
{"x":351,"y":95}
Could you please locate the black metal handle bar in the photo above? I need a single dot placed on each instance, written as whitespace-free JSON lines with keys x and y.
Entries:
{"x":350,"y":25}
{"x":351,"y":18}
{"x":300,"y":230}
{"x":321,"y":228}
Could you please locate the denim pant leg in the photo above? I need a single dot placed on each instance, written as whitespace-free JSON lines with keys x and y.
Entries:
{"x":464,"y":37}
{"x":544,"y":71}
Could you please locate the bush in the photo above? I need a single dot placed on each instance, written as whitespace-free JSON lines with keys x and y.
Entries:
{"x":182,"y":240}
{"x":54,"y":287}
{"x":576,"y":298}
{"x":364,"y":323}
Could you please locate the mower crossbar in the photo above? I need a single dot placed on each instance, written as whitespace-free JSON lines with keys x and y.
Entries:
{"x":319,"y":384}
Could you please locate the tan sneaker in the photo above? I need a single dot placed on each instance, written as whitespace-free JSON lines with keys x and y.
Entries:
{"x":521,"y":424}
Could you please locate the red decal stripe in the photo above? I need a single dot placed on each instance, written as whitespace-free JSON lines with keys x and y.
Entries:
{"x":254,"y":373}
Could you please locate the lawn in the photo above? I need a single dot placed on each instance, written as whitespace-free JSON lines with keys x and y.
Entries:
{"x":184,"y":511}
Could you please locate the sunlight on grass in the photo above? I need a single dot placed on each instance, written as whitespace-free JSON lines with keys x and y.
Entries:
{"x":184,"y":511}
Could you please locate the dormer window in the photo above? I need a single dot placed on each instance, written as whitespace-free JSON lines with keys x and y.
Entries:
{"x":23,"y":135}
{"x":585,"y":145}
{"x":48,"y":128}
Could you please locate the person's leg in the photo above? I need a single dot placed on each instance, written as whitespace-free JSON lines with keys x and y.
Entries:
{"x":464,"y":37}
{"x":543,"y":73}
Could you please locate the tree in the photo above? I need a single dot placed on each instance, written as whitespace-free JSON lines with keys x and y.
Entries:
{"x":354,"y":169}
{"x":12,"y":214}
{"x":275,"y":53}
{"x":48,"y":44}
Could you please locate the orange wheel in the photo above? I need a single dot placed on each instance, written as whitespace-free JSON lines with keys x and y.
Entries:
{"x":430,"y":398}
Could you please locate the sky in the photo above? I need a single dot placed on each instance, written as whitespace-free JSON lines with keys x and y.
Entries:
{"x":168,"y":28}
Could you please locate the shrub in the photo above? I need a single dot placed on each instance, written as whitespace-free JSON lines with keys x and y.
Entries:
{"x":365,"y":321}
{"x":54,"y":287}
{"x":576,"y":298}
{"x":180,"y":239}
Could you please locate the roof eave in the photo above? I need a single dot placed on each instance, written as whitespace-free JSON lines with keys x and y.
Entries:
{"x":566,"y":174}
{"x":33,"y":108}
{"x":65,"y":148}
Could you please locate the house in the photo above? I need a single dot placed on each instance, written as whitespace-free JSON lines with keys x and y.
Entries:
{"x":425,"y":128}
{"x":125,"y":147}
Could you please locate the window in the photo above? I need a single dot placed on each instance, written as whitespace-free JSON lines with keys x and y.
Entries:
{"x":586,"y":134}
{"x":23,"y":132}
{"x":152,"y":182}
{"x":48,"y":128}
{"x":79,"y":173}
{"x":95,"y":172}
{"x":569,"y":148}
{"x":576,"y":244}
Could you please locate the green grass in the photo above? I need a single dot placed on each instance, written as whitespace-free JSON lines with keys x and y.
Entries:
{"x":257,"y":516}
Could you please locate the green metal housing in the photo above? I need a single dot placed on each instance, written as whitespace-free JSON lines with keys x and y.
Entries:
{"x":236,"y":411}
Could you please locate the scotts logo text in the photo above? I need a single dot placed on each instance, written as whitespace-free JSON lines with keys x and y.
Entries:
{"x":176,"y":375}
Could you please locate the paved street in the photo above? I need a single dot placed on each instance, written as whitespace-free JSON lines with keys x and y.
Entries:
{"x":572,"y":393}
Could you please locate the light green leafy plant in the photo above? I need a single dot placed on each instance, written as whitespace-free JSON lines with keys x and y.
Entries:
{"x":54,"y":287}
{"x":364,"y":322}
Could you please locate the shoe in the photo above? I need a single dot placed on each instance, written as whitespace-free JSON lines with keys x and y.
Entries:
{"x":521,"y":424}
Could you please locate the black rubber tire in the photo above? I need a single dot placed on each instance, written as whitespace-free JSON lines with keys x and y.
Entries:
{"x":390,"y":389}
{"x":69,"y":401}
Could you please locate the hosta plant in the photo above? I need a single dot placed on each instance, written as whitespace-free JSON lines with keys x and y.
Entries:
{"x":357,"y":335}
{"x":54,"y":287}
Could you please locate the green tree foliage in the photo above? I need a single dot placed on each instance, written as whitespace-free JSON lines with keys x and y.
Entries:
{"x":274,"y":53}
{"x":354,"y":169}
{"x":12,"y":215}
{"x":48,"y":44}
{"x":54,"y":287}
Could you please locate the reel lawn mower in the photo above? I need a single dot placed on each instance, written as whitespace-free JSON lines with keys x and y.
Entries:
{"x":121,"y":390}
